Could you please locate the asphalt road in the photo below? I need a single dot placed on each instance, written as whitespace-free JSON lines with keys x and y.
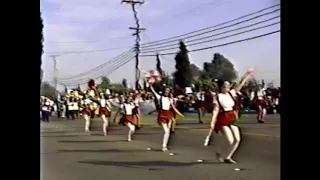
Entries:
{"x":68,"y":153}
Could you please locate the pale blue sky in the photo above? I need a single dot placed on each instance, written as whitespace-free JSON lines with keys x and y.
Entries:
{"x":100,"y":24}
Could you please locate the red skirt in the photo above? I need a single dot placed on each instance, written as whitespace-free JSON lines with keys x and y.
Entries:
{"x":164,"y":116}
{"x":200,"y":104}
{"x":225,"y":119}
{"x":261,"y":103}
{"x":104,"y":111}
{"x":86,"y":111}
{"x":128,"y":119}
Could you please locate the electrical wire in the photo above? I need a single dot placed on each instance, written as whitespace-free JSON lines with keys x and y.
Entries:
{"x":97,"y":76}
{"x":210,"y":40}
{"x":220,"y":45}
{"x":224,"y":27}
{"x":152,"y":43}
{"x":203,"y":29}
{"x":225,"y":32}
{"x":106,"y":64}
{"x":97,"y":73}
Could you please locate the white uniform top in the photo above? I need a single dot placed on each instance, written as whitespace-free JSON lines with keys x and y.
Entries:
{"x":166,"y":102}
{"x":200,"y":96}
{"x":86,"y":102}
{"x":46,"y":106}
{"x":226,"y":101}
{"x":128,"y":108}
{"x":73,"y":106}
{"x":104,"y":103}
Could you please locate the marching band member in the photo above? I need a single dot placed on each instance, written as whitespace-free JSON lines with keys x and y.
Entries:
{"x":73,"y":107}
{"x":136,"y":111}
{"x":259,"y":101}
{"x":128,"y":118}
{"x":200,"y":105}
{"x":86,"y":111}
{"x":165,"y":114}
{"x":104,"y":112}
{"x":224,"y":115}
{"x":45,"y":109}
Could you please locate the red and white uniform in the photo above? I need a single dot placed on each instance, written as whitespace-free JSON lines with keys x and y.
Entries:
{"x":227,"y":105}
{"x":259,"y":98}
{"x":86,"y":107}
{"x":165,"y":113}
{"x":104,"y":107}
{"x":200,"y":101}
{"x":128,"y":113}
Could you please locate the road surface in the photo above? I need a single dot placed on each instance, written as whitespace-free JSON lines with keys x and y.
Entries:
{"x":68,"y":153}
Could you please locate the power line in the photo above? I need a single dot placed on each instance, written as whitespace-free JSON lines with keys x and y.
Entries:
{"x":224,"y":27}
{"x":181,"y":15}
{"x":200,"y":30}
{"x":106,"y":64}
{"x":220,"y":45}
{"x":220,"y":38}
{"x":152,"y":43}
{"x":85,"y":80}
{"x":98,"y":74}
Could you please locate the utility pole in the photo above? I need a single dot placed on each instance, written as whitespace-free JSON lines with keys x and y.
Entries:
{"x":55,"y":72}
{"x":137,"y":32}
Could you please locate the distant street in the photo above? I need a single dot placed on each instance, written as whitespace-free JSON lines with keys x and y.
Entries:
{"x":68,"y":153}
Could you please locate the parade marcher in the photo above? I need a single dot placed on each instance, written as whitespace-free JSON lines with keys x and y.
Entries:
{"x":165,"y":114}
{"x":224,"y":116}
{"x":128,"y":118}
{"x":104,"y":112}
{"x":86,"y":111}
{"x":200,"y":105}
{"x":45,"y":109}
{"x":73,"y":107}
{"x":260,"y":103}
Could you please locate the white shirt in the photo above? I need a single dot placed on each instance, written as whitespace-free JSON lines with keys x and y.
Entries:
{"x":128,"y":108}
{"x":73,"y":106}
{"x":104,"y":103}
{"x":86,"y":102}
{"x":226,"y":100}
{"x":166,"y":102}
{"x":200,"y":96}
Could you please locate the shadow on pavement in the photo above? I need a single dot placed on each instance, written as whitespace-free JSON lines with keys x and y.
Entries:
{"x":65,"y":136}
{"x":93,"y":141}
{"x":144,"y":163}
{"x":101,"y":151}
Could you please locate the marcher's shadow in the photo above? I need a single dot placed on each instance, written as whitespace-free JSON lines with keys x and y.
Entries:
{"x":100,"y":151}
{"x":93,"y":141}
{"x":131,"y":164}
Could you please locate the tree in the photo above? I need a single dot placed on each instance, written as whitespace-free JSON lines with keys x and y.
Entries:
{"x":48,"y":90}
{"x":158,"y":66}
{"x":196,"y":72}
{"x":220,"y":68}
{"x":167,"y":79}
{"x":183,"y":75}
{"x":41,"y":47}
{"x":104,"y":85}
{"x":124,"y":83}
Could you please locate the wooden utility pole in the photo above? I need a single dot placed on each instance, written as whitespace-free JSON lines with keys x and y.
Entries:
{"x":55,"y":72}
{"x":137,"y":32}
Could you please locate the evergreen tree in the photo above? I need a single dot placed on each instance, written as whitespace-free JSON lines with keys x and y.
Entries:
{"x":183,"y":75}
